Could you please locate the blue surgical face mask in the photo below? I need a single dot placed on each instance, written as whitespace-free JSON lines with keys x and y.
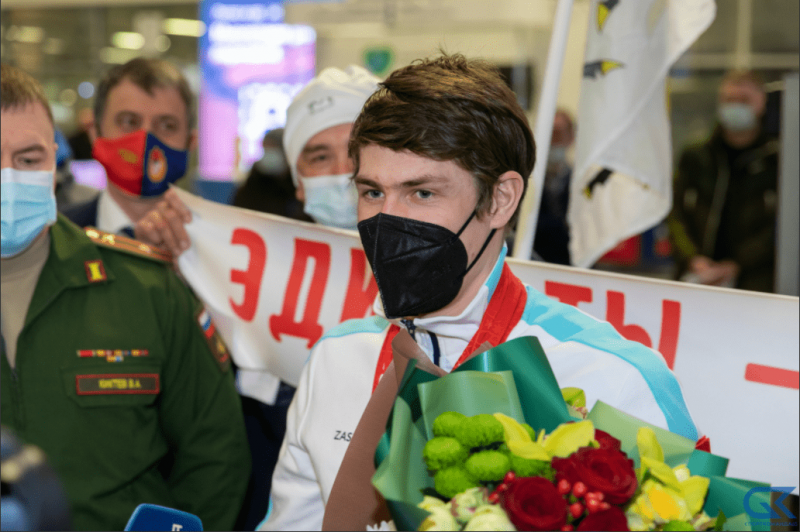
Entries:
{"x":28,"y":206}
{"x":736,"y":116}
{"x":331,"y":200}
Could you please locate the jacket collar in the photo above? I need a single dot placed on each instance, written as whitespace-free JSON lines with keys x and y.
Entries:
{"x":110,"y":216}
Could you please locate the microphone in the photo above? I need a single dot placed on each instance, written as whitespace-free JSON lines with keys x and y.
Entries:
{"x":32,"y":495}
{"x":158,"y":518}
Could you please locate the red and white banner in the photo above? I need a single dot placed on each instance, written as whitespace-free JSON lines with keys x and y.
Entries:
{"x":274,"y":286}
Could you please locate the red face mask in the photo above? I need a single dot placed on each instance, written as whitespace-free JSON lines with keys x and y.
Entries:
{"x":140,"y":164}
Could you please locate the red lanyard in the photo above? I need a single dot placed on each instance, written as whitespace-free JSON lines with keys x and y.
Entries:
{"x":502,"y":314}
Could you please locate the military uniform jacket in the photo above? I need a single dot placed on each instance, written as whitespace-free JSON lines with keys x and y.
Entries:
{"x":123,"y":383}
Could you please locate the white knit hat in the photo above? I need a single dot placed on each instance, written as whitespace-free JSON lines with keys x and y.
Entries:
{"x":332,"y":98}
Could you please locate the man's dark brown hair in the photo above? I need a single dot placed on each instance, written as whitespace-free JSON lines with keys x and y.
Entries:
{"x":18,"y":89}
{"x":450,"y":109}
{"x":147,"y":74}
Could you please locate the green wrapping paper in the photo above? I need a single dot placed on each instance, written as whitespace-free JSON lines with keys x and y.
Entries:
{"x":724,"y":494}
{"x":471,"y":393}
{"x":678,"y":450}
{"x":515,"y":378}
{"x":542,"y":403}
{"x":727,"y":495}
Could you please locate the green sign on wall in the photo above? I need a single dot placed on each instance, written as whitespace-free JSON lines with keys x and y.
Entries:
{"x":379,"y":60}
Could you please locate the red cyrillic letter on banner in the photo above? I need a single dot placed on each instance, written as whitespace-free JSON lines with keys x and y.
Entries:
{"x":615,"y":315}
{"x":570,"y":294}
{"x":670,"y":329}
{"x":308,"y":327}
{"x":358,"y":299}
{"x":250,"y":278}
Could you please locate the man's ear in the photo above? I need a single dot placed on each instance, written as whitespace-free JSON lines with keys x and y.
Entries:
{"x":192,"y":144}
{"x":506,"y":197}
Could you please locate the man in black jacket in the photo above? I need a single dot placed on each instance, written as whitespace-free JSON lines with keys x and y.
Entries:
{"x":725,"y":195}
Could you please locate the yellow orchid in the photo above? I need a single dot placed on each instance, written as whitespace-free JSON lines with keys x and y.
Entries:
{"x":569,"y":437}
{"x":666,"y":494}
{"x":519,"y":441}
{"x":659,"y":504}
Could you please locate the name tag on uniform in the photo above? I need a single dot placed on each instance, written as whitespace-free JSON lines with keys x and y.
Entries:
{"x":115,"y":384}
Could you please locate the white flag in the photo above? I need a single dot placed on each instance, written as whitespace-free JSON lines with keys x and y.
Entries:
{"x":622,"y":183}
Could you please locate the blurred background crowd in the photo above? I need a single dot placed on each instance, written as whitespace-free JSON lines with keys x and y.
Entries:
{"x":68,"y":44}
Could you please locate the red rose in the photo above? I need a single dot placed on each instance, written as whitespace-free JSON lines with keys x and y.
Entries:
{"x":606,"y":440}
{"x":607,"y":471}
{"x":533,"y":503}
{"x":611,"y":519}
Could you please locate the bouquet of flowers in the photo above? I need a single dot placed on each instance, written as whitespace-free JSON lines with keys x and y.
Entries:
{"x":463,"y":452}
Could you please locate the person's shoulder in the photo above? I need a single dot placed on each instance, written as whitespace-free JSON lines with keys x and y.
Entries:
{"x":351,"y":328}
{"x":357,"y":339}
{"x":547,"y":312}
{"x":135,"y":263}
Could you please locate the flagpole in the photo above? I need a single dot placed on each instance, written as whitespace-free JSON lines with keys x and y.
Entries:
{"x":545,"y":114}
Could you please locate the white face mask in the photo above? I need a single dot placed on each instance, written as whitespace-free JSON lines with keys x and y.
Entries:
{"x":272,"y":162}
{"x":557,"y":155}
{"x":331,"y":200}
{"x":736,"y":116}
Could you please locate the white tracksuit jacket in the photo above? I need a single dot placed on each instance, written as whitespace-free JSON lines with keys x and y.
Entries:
{"x":336,"y":385}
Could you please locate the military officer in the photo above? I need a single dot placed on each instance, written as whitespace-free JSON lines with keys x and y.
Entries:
{"x":109,"y":364}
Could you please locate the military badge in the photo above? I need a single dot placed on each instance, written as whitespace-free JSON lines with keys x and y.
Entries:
{"x":112,"y":355}
{"x":214,"y":340}
{"x":95,"y":271}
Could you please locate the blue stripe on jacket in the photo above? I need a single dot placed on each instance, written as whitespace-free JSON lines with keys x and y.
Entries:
{"x":566,"y":323}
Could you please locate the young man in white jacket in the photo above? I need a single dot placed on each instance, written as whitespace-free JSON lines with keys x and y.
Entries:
{"x":442,"y":154}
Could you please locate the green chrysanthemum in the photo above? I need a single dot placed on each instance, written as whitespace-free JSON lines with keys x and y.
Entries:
{"x":525,"y":467}
{"x":452,"y":480}
{"x":445,"y":424}
{"x":442,"y":452}
{"x":479,"y":430}
{"x":488,"y":466}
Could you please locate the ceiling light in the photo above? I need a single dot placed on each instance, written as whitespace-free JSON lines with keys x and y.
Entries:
{"x":116,"y":56}
{"x":128,"y":40}
{"x":184,"y":26}
{"x":28,"y":34}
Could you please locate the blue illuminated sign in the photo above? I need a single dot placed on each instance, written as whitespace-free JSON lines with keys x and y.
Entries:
{"x":252,"y":65}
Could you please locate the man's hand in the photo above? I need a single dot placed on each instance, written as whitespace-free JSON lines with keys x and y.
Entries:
{"x":163,"y":226}
{"x":707,"y":271}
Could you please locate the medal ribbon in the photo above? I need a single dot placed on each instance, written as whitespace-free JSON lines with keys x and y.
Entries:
{"x":502,"y":315}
